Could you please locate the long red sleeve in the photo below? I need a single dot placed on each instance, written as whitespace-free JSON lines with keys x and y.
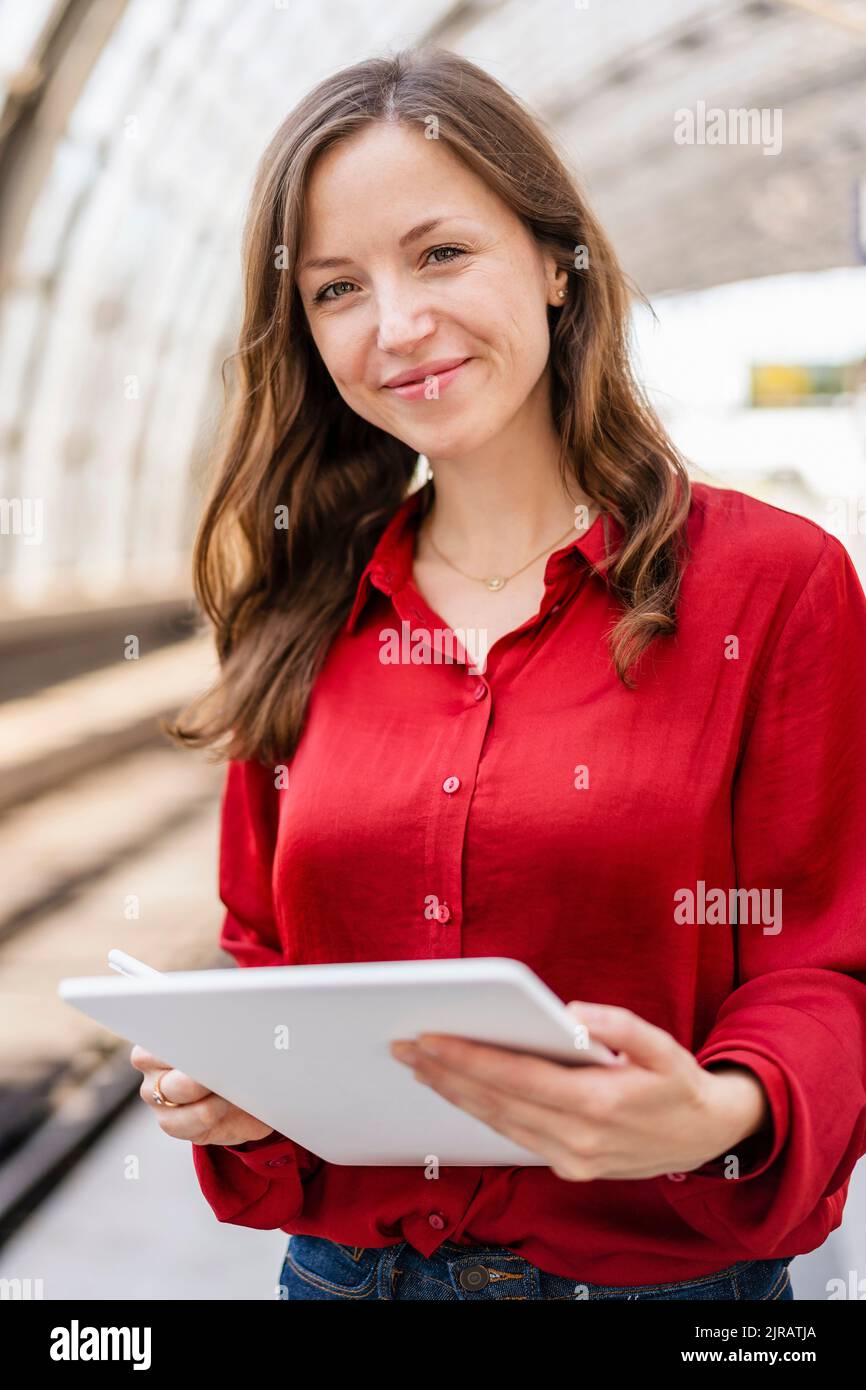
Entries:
{"x":798,"y":1017}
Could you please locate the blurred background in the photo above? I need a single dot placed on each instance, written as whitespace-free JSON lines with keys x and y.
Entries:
{"x":129,"y":133}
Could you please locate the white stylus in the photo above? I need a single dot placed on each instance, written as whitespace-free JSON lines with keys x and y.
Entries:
{"x":127,"y":965}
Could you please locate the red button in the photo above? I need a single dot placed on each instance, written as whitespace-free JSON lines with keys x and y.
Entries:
{"x":437,"y":1220}
{"x":676,"y":1177}
{"x":480,"y":690}
{"x":451,"y":784}
{"x":443,"y":913}
{"x":278,"y":1162}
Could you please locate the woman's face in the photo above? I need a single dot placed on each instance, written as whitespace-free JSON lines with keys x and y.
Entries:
{"x":401,"y":295}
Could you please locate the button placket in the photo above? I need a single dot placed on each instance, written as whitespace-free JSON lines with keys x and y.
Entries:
{"x":452,"y":796}
{"x":460,"y":744}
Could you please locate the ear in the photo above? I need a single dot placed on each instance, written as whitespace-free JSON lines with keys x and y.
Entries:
{"x":557,"y":282}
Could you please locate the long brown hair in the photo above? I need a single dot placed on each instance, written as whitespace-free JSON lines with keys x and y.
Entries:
{"x":277,"y":595}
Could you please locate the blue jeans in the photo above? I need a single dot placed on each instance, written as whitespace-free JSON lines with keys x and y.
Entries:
{"x":318,"y":1268}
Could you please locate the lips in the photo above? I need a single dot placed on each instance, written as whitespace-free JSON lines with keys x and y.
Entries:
{"x":428,"y":382}
{"x":427,"y":369}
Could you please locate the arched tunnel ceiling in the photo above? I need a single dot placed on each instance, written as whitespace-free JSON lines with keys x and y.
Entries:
{"x":130,"y":130}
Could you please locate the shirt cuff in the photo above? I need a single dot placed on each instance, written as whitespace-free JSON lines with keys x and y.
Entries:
{"x":273,"y":1151}
{"x":757,"y":1152}
{"x":259,"y":1183}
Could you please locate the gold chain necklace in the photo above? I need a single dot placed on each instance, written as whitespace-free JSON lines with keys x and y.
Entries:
{"x":497,"y":581}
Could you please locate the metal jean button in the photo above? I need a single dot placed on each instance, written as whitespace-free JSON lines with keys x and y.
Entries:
{"x":475,"y":1277}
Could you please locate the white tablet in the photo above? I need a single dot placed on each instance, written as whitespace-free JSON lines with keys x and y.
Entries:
{"x":305,"y":1048}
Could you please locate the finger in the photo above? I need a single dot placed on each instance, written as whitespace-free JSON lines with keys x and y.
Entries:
{"x":577,"y":1009}
{"x":533,"y":1127}
{"x":195,"y":1121}
{"x":145,"y":1061}
{"x":554,"y":1084}
{"x":646,"y":1045}
{"x":490,"y":1103}
{"x":174,"y":1085}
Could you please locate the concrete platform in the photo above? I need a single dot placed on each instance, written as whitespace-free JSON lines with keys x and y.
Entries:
{"x":105,"y":1235}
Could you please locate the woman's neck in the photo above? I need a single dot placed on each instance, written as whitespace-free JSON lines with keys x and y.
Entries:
{"x":494,"y":519}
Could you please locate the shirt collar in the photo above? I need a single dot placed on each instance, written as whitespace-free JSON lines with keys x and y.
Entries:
{"x":389,"y":567}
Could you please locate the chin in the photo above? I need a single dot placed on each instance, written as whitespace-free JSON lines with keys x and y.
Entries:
{"x":457,"y":442}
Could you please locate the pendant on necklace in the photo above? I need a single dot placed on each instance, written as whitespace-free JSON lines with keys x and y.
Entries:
{"x":495,"y":581}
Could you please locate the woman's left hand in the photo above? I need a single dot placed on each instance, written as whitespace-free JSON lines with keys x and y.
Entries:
{"x":657,"y":1111}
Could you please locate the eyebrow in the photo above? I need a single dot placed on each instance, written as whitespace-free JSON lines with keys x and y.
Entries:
{"x":413,"y":234}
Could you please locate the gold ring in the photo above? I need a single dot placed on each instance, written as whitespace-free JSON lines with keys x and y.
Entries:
{"x":159,"y":1098}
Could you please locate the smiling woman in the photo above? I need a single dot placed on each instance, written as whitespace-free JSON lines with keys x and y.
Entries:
{"x":374,"y":253}
{"x":454,"y":297}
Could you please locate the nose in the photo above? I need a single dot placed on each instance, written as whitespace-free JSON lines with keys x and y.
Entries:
{"x":404,"y":319}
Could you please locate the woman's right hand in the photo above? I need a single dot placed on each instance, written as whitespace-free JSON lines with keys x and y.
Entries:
{"x":201,"y":1116}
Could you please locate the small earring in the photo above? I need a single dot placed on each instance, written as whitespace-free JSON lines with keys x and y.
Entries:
{"x":561,"y":293}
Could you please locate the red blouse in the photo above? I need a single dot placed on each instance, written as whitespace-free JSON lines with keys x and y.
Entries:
{"x":595,"y":833}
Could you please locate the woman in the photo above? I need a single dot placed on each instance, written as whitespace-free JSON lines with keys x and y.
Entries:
{"x":639,"y":770}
